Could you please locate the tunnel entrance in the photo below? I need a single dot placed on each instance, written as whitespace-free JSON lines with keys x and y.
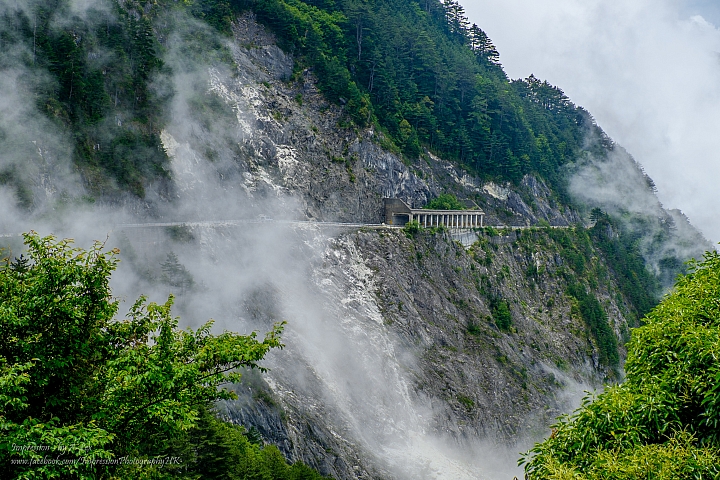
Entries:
{"x":400,"y":219}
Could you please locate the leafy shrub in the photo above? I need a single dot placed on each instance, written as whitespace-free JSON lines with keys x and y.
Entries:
{"x":82,"y":383}
{"x":663,"y":422}
{"x":446,"y":201}
{"x":501,"y":315}
{"x":466,"y":401}
{"x":491,"y":231}
{"x":412,"y":228}
{"x":473,"y":328}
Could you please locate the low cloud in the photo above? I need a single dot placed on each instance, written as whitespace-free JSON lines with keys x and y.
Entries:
{"x":648,"y":71}
{"x":619,"y":186}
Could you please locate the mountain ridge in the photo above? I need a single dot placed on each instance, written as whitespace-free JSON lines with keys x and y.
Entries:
{"x":464,"y":350}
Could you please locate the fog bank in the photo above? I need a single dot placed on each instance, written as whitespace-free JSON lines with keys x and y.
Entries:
{"x":647,"y":70}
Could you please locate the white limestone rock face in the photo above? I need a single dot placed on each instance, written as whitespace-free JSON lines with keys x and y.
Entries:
{"x":286,"y":141}
{"x":382,"y":376}
{"x":393,"y":366}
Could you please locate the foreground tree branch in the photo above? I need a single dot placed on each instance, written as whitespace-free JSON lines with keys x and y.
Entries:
{"x":77,"y":383}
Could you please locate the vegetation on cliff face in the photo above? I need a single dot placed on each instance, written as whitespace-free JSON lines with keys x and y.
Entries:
{"x":415,"y":70}
{"x":446,"y":201}
{"x":215,"y":449}
{"x":627,"y":269}
{"x":662,"y":421}
{"x":622,"y":253}
{"x":419,"y":76}
{"x":91,"y":74}
{"x":431,"y":80}
{"x":499,"y":331}
{"x":418,"y":71}
{"x":97,"y":71}
{"x":586,"y":268}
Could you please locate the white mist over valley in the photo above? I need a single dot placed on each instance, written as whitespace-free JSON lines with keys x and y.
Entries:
{"x":394,"y":365}
{"x":648,"y":71}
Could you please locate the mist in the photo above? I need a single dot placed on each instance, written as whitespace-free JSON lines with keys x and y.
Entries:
{"x":648,"y":71}
{"x":618,"y":185}
{"x":341,"y":365}
{"x":340,"y":361}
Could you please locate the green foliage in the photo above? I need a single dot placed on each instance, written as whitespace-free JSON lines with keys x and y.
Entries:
{"x":412,"y":228}
{"x":432,"y":80}
{"x":102,"y":84}
{"x":622,"y":255}
{"x":597,"y":321}
{"x":23,"y":194}
{"x":99,"y":70}
{"x":316,"y":33}
{"x":423,"y":76}
{"x":575,"y":247}
{"x":501,"y":314}
{"x":662,"y":422}
{"x":218,"y":13}
{"x":579,"y":249}
{"x":180,"y":233}
{"x":79,"y":383}
{"x":473,"y":328}
{"x":620,"y":252}
{"x":597,"y":214}
{"x":490,"y":231}
{"x":214,"y":449}
{"x":446,"y":201}
{"x":466,"y":401}
{"x":175,"y":274}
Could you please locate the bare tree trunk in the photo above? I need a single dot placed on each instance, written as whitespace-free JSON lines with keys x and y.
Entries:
{"x":372,"y":77}
{"x":72,"y":78}
{"x":34,"y":37}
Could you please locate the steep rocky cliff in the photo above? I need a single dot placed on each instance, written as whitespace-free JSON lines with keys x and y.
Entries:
{"x":295,"y":142}
{"x":419,"y":357}
{"x":441,"y":365}
{"x":410,"y":353}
